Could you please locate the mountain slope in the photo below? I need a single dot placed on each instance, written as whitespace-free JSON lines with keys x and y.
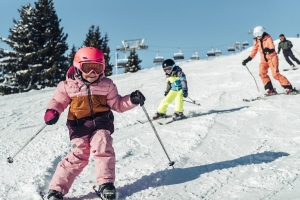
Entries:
{"x":229,"y":149}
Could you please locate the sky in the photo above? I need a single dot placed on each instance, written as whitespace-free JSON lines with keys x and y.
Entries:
{"x":192,"y":26}
{"x":225,"y":149}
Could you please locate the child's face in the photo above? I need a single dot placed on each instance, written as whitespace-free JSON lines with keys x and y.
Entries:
{"x":90,"y":77}
{"x":168,"y":70}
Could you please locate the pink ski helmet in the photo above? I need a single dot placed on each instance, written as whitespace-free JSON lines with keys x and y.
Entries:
{"x":89,"y":56}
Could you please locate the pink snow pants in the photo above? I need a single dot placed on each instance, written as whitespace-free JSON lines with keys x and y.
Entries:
{"x":100,"y":144}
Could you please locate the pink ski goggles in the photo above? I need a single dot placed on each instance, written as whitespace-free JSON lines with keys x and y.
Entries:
{"x":89,"y":67}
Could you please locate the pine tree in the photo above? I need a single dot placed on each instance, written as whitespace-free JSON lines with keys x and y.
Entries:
{"x":38,"y":46}
{"x":51,"y":45}
{"x":133,"y":62}
{"x":105,"y":48}
{"x":20,"y":34}
{"x":70,"y":57}
{"x":18,"y":40}
{"x":1,"y":69}
{"x":93,"y":39}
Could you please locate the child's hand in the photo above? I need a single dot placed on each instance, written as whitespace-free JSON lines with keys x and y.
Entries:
{"x":51,"y":116}
{"x":185,"y":93}
{"x":137,"y":97}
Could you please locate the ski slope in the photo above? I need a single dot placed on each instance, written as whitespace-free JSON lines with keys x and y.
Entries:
{"x":229,"y":149}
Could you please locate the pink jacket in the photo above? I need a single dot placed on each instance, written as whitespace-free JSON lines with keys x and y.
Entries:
{"x":89,"y":103}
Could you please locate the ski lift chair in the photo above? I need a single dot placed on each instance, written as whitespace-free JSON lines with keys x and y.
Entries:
{"x":210,"y":53}
{"x":218,"y":52}
{"x":178,"y":56}
{"x":231,"y":49}
{"x":122,"y":62}
{"x":245,"y":43}
{"x":195,"y":56}
{"x":158,"y":59}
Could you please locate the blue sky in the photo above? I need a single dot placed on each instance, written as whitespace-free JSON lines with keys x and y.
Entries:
{"x":192,"y":25}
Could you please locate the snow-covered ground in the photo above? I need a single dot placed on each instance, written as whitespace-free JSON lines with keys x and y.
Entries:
{"x":229,"y":149}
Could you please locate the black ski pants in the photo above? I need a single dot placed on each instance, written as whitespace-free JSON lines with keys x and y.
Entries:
{"x":291,"y":55}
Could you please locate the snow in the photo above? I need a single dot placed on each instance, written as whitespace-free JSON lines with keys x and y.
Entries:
{"x":229,"y":149}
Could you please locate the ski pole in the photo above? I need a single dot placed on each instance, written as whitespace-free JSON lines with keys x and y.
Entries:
{"x":198,"y":104}
{"x":296,"y":51}
{"x":192,"y":101}
{"x":171,"y":163}
{"x":11,"y":159}
{"x":253,"y":78}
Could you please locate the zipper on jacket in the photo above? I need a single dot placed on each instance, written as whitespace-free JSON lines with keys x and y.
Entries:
{"x":88,"y":91}
{"x":91,"y":103}
{"x":262,"y":48}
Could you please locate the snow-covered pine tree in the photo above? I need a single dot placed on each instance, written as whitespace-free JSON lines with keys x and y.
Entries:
{"x":93,"y":39}
{"x":12,"y":59}
{"x":133,"y":64}
{"x":38,"y":45}
{"x":51,"y":45}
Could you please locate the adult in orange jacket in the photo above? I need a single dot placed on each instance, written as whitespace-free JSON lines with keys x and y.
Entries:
{"x":268,"y":59}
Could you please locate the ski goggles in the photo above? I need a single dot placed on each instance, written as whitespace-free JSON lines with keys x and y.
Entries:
{"x":258,"y":34}
{"x":168,"y":70}
{"x":88,"y":68}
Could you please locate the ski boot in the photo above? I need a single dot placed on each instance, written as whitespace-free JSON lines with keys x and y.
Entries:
{"x":159,"y":115}
{"x":54,"y":195}
{"x":289,"y":91}
{"x":293,"y":66}
{"x":271,"y":92}
{"x":107,"y":191}
{"x":178,"y":116}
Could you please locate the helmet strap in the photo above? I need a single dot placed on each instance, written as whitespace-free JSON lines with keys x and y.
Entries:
{"x":78,"y":73}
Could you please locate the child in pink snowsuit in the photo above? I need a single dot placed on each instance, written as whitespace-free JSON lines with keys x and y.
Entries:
{"x":90,"y":97}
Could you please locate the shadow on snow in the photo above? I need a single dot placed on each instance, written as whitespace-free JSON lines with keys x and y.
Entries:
{"x":195,"y":114}
{"x":182,"y":175}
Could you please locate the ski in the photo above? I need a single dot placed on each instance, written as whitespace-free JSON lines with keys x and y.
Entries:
{"x":145,"y":121}
{"x":283,"y":93}
{"x":171,"y":120}
{"x":266,"y":96}
{"x":290,"y":69}
{"x":249,"y":100}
